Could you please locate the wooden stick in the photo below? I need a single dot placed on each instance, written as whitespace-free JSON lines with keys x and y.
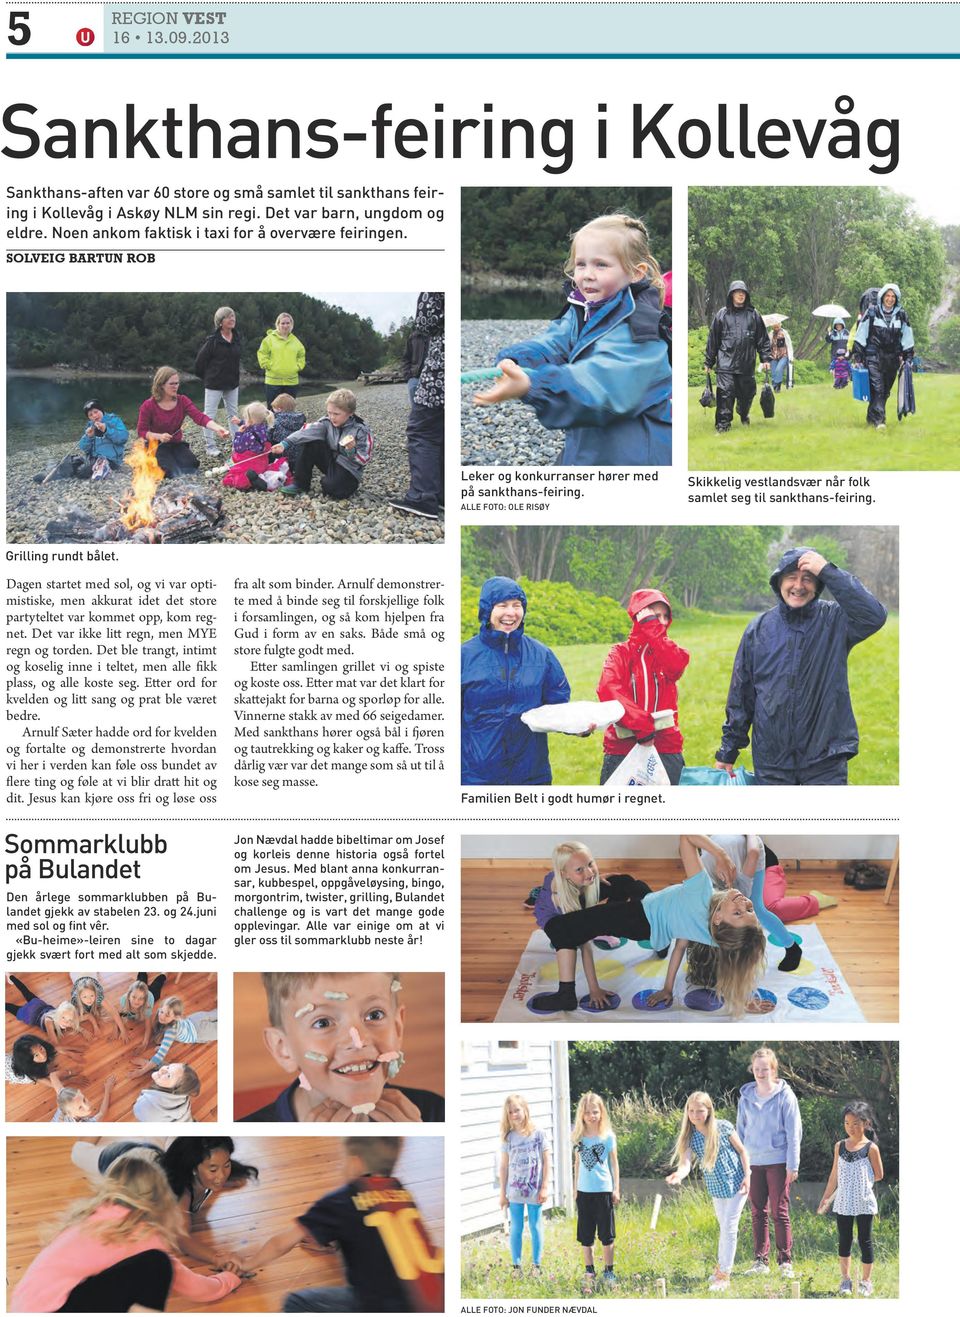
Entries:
{"x":795,"y":1289}
{"x":656,"y":1211}
{"x":661,"y":1287}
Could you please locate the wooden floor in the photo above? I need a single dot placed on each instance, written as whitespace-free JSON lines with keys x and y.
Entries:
{"x":294,"y":1172}
{"x":862,"y":933}
{"x":104,"y":1055}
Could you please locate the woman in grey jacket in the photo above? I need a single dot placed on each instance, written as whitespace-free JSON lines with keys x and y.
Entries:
{"x":770,"y":1128}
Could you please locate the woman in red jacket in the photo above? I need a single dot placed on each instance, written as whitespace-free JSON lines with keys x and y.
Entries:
{"x":642,"y":673}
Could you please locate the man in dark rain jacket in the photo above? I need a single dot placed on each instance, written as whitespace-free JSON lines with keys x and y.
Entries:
{"x":789,"y":678}
{"x":737,"y":335}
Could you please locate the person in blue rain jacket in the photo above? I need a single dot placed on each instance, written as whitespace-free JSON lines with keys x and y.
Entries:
{"x":789,"y":682}
{"x":883,"y":340}
{"x":503,"y":673}
{"x":601,"y":371}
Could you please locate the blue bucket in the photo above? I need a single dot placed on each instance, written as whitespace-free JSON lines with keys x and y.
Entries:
{"x":861,"y":384}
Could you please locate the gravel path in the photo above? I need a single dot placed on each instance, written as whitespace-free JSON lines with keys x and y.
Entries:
{"x":509,"y":434}
{"x":251,"y":518}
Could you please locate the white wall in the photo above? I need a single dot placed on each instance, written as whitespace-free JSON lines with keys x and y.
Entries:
{"x":789,"y":846}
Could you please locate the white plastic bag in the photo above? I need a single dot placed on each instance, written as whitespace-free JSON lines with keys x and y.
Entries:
{"x":574,"y":718}
{"x":642,"y":767}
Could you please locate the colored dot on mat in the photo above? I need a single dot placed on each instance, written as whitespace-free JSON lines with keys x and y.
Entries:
{"x":810,"y":999}
{"x":805,"y":967}
{"x":640,"y":1000}
{"x":764,"y":994}
{"x":649,"y":969}
{"x":535,"y":1009}
{"x":599,"y":1010}
{"x":610,"y":943}
{"x":703,"y":999}
{"x":609,"y":967}
{"x":549,"y":973}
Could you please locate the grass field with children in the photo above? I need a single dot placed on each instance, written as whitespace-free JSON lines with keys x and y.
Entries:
{"x":682,"y":1251}
{"x":712,"y":639}
{"x":819,"y":428}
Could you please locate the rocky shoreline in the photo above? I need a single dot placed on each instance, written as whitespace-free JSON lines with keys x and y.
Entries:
{"x":251,"y":518}
{"x":508,"y":434}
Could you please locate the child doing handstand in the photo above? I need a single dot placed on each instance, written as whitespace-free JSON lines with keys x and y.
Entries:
{"x":601,"y":371}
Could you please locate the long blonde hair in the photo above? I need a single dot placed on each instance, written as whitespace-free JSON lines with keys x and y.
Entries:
{"x":175,"y":1006}
{"x":683,"y":1148}
{"x":566,"y":895}
{"x":741,"y":958}
{"x":588,"y":1100}
{"x":506,"y":1125}
{"x":630,"y":240}
{"x":256,"y":412}
{"x":58,"y":1018}
{"x":138,"y":1012}
{"x":142,"y":1188}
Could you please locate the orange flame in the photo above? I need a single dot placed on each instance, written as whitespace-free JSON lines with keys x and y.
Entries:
{"x":147,"y":474}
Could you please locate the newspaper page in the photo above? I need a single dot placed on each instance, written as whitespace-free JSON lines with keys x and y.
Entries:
{"x":608,"y":356}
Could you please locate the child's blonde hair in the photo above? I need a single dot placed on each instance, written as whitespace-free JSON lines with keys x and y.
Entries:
{"x":631,"y":242}
{"x":284,"y":402}
{"x":741,"y":957}
{"x":506,"y":1125}
{"x":63,"y":1017}
{"x":589,"y":1100}
{"x":281,"y":987}
{"x":66,"y":1096}
{"x":566,"y":895}
{"x":256,"y":412}
{"x":345,"y":400}
{"x":175,"y":1007}
{"x":767,"y":1054}
{"x":142,"y":1188}
{"x":187,"y":1086}
{"x":683,"y":1148}
{"x":140,"y":987}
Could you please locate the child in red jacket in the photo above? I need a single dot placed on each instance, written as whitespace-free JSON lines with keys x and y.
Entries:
{"x":642,"y":673}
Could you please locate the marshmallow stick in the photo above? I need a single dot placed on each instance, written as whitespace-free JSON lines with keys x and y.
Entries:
{"x":661,"y":1284}
{"x":795,"y":1290}
{"x":656,"y":1211}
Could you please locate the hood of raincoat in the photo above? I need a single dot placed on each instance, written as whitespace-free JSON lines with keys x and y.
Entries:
{"x":738,"y":286}
{"x":641,"y":599}
{"x":895,"y":288}
{"x":787,"y":563}
{"x":497,"y":590}
{"x":842,"y":324}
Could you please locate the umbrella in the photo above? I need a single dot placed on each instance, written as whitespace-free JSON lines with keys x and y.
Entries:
{"x":774,"y":320}
{"x":832,"y":309}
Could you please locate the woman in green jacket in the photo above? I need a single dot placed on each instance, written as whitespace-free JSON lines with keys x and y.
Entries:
{"x":282,"y":356}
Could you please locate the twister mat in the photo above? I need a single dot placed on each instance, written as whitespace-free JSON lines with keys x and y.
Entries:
{"x":816,"y":991}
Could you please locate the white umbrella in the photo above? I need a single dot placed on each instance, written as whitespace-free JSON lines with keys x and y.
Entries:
{"x":774,"y":320}
{"x":832,"y":309}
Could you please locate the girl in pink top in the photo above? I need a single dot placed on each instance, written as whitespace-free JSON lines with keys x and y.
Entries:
{"x":161,"y":421}
{"x":115,"y":1249}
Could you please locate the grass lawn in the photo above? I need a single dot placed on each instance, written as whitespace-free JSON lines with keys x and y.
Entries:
{"x":817,"y":428}
{"x":712,"y":639}
{"x":682,"y":1250}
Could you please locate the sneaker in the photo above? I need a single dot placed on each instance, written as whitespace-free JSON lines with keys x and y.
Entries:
{"x":865,"y":1289}
{"x":517,"y":1271}
{"x":535,"y":1269}
{"x":589,"y":1282}
{"x":759,"y":1268}
{"x":846,"y":1289}
{"x":722,"y":429}
{"x":292,"y":491}
{"x":212,"y":448}
{"x":719,"y":1283}
{"x":417,"y":509}
{"x":786,"y":1271}
{"x":609,"y":1279}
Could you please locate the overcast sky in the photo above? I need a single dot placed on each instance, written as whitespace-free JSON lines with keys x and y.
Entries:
{"x":384,"y":309}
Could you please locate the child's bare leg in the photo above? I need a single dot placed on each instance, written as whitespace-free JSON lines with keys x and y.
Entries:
{"x":865,"y":1269}
{"x":608,"y":1255}
{"x":844,"y":1268}
{"x":588,"y":1257}
{"x":567,"y":964}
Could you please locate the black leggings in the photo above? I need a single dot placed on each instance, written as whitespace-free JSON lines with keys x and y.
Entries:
{"x":156,"y":987}
{"x":144,"y":1279}
{"x":621,"y":915}
{"x":24,"y":992}
{"x":864,"y":1236}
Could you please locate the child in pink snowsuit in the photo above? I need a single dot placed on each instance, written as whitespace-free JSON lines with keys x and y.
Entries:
{"x":251,"y":447}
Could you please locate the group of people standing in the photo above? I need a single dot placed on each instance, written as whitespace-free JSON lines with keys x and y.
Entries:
{"x":881,"y":341}
{"x":789,"y":688}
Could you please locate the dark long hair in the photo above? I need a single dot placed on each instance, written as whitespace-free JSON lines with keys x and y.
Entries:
{"x":184,"y":1155}
{"x":21,"y":1058}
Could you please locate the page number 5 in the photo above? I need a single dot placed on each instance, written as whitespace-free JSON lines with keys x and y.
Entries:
{"x":19,"y":33}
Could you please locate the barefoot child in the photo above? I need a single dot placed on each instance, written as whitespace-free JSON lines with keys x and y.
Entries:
{"x":596,"y":1172}
{"x":524,"y":1175}
{"x":857,"y":1167}
{"x":726,"y":1170}
{"x":601,"y":371}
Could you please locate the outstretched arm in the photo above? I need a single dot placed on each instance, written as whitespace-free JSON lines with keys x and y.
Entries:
{"x":690,"y":856}
{"x":665,"y":994}
{"x":277,"y":1246}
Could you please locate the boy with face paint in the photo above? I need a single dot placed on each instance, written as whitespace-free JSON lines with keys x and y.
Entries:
{"x":790,"y":683}
{"x":341,"y":1035}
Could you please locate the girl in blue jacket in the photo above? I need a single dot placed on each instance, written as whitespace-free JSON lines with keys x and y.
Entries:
{"x":503,"y":673}
{"x":601,"y":371}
